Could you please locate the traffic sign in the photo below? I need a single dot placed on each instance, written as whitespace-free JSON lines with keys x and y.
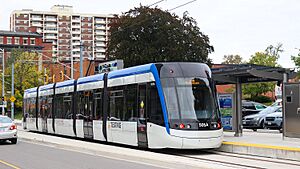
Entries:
{"x":12,"y":99}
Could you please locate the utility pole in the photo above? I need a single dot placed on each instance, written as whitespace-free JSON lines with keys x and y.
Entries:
{"x":2,"y":50}
{"x":81,"y":59}
{"x":12,"y":90}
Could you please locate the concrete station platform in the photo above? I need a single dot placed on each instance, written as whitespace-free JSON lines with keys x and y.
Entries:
{"x":265,"y":143}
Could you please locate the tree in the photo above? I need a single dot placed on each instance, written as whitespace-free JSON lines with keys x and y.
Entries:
{"x":296,"y":60}
{"x":232,"y":59}
{"x":26,"y":74}
{"x":144,"y":35}
{"x":267,"y":58}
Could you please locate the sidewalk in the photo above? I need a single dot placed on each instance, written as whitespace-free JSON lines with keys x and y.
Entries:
{"x":264,"y":143}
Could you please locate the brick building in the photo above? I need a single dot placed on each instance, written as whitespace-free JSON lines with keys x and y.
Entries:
{"x":24,"y":41}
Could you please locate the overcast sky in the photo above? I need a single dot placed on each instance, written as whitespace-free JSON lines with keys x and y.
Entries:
{"x":240,"y":27}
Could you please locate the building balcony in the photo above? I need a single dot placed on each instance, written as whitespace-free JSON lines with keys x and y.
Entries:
{"x":76,"y":20}
{"x":50,"y":37}
{"x":100,"y":21}
{"x":100,"y":50}
{"x":76,"y":38}
{"x":50,"y":31}
{"x":36,"y":18}
{"x":100,"y":33}
{"x":77,"y":49}
{"x":76,"y":26}
{"x":100,"y":27}
{"x":99,"y":44}
{"x":100,"y":39}
{"x":99,"y":56}
{"x":76,"y":43}
{"x":51,"y":19}
{"x":37,"y":24}
{"x":76,"y":55}
{"x":76,"y":31}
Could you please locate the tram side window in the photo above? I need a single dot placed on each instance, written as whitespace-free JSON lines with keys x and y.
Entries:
{"x":98,"y":105}
{"x":116,"y":104}
{"x":67,"y":107}
{"x":59,"y":106}
{"x":131,"y":103}
{"x":41,"y":110}
{"x":155,"y":113}
{"x":49,"y":107}
{"x":32,"y":107}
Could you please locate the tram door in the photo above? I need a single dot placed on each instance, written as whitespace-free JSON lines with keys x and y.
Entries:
{"x":142,"y":122}
{"x":88,"y":114}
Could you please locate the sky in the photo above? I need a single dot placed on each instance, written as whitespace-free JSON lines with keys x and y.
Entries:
{"x":241,"y":27}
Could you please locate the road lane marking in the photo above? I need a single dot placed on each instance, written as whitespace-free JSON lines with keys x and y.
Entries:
{"x":10,"y":165}
{"x":261,"y":146}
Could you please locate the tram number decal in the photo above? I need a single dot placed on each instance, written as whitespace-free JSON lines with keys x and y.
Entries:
{"x":116,"y":125}
{"x":203,"y":124}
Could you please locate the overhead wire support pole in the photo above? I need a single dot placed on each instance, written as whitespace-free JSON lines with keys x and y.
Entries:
{"x":81,"y":59}
{"x":12,"y":90}
{"x":71,"y":54}
{"x":3,"y":94}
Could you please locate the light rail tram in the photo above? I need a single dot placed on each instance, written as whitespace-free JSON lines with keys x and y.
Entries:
{"x":158,"y":105}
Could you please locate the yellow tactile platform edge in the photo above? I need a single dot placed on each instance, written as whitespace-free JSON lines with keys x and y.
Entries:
{"x":261,"y":146}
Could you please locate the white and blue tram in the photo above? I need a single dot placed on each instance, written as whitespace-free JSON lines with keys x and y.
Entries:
{"x":159,"y":105}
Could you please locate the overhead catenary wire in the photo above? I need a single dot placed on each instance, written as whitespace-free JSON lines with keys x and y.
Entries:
{"x":156,"y":3}
{"x":179,"y":6}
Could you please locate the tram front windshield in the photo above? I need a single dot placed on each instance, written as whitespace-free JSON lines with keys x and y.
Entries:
{"x":190,"y":102}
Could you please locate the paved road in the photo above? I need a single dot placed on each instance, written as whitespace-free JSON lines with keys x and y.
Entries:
{"x":27,"y":155}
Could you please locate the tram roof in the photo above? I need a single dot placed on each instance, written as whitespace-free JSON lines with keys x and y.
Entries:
{"x":31,"y":90}
{"x":65,"y":83}
{"x":93,"y":78}
{"x":130,"y":71}
{"x":46,"y":87}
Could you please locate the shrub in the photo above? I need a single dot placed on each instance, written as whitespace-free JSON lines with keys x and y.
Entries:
{"x":261,"y":99}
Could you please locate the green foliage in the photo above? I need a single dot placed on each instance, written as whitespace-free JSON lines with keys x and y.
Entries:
{"x":262,"y":99}
{"x":144,"y":35}
{"x":232,"y":59}
{"x":267,"y":58}
{"x":296,"y":60}
{"x":26,"y":74}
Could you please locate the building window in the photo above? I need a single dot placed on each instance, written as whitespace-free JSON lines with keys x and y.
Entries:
{"x":8,"y":40}
{"x":1,"y":39}
{"x":24,"y":41}
{"x":17,"y":40}
{"x":32,"y":41}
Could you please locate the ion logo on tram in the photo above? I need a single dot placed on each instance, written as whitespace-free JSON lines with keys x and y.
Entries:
{"x":158,"y":105}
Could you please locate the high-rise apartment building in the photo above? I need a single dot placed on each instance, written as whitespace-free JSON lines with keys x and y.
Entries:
{"x":66,"y":30}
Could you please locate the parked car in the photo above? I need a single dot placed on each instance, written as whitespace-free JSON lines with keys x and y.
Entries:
{"x":251,"y":107}
{"x":274,"y":121}
{"x":8,"y":130}
{"x":256,"y":121}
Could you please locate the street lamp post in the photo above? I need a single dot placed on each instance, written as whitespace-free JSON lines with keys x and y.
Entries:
{"x":2,"y":51}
